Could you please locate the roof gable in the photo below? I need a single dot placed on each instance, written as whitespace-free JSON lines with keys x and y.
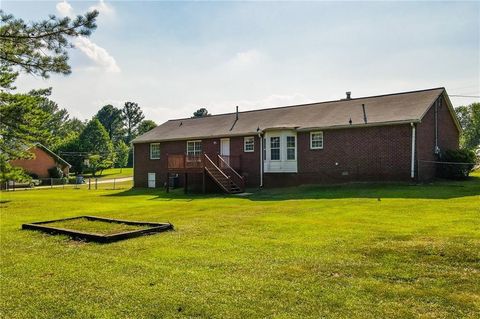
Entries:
{"x":56,"y":157}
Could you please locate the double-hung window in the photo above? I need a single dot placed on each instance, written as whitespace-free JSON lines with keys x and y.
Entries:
{"x":275,"y":148}
{"x":248,"y":144}
{"x":194,"y":148}
{"x":291,"y":145}
{"x":155,"y":151}
{"x":316,"y":140}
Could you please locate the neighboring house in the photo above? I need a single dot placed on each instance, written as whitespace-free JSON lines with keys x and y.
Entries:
{"x":377,"y":138}
{"x":43,"y":160}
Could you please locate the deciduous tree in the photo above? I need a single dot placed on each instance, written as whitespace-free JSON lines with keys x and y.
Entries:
{"x":111,"y":119}
{"x":201,"y":112}
{"x":121,"y":154}
{"x":145,"y":126}
{"x":469,"y":117}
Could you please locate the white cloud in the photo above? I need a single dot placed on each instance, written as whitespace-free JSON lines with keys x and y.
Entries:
{"x":105,"y":10}
{"x":97,"y":54}
{"x":65,"y":9}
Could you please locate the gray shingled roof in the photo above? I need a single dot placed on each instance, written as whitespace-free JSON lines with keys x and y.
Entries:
{"x":380,"y":110}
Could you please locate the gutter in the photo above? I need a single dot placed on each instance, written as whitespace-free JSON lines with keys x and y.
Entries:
{"x":298,"y":129}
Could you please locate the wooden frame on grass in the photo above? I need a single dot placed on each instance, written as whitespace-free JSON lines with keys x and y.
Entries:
{"x":80,"y":235}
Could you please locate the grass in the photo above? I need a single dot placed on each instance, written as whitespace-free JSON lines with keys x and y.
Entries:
{"x":113,"y":173}
{"x":367,"y":251}
{"x":95,"y":227}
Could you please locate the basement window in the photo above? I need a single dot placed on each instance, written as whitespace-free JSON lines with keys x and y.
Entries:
{"x":154,"y":150}
{"x":248,"y":144}
{"x":194,"y":148}
{"x":316,"y":140}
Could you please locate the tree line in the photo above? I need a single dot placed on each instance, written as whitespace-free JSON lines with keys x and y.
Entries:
{"x":40,"y":48}
{"x":105,"y":140}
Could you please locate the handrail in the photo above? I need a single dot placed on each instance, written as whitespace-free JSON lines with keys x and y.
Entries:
{"x":228,"y":165}
{"x":208,"y":158}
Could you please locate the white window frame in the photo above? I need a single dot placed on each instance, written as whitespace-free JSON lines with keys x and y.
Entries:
{"x":151,"y":151}
{"x":196,"y":152}
{"x":248,"y":140}
{"x":289,"y":147}
{"x":279,"y":148}
{"x":311,"y":140}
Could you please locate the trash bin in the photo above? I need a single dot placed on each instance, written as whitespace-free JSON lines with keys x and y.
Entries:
{"x":173,"y":181}
{"x":80,"y":179}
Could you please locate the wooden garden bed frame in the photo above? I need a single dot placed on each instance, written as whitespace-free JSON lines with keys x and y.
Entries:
{"x":85,"y":236}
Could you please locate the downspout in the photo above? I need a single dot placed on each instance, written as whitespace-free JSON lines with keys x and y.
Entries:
{"x":412,"y":171}
{"x":436,"y":127}
{"x":261,"y":159}
{"x":133,"y":163}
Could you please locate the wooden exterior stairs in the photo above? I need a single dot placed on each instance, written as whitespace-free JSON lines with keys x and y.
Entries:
{"x":216,"y":166}
{"x":224,"y":175}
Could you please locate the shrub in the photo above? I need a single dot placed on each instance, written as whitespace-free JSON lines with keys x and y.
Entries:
{"x":55,"y":172}
{"x":456,"y":171}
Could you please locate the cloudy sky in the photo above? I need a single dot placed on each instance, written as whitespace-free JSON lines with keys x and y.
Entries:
{"x":173,"y":58}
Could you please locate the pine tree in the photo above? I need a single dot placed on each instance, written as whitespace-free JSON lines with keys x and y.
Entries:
{"x":111,"y":119}
{"x":38,"y":48}
{"x":132,"y":115}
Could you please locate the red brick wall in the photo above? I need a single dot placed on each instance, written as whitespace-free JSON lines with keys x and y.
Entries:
{"x":143,"y":165}
{"x":380,"y":153}
{"x":356,"y":154}
{"x":448,"y":138}
{"x":39,"y":164}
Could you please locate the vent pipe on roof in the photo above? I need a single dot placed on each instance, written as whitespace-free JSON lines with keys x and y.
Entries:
{"x":236,"y":119}
{"x":349,"y":94}
{"x":364,"y":114}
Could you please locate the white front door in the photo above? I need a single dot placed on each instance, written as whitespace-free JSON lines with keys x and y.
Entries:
{"x":151,"y":180}
{"x":225,"y":149}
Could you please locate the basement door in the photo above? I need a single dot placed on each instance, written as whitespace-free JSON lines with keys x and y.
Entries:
{"x":151,"y":180}
{"x":225,"y":149}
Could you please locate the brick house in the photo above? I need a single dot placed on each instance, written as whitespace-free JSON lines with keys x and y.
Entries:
{"x":43,"y":159}
{"x":376,"y":138}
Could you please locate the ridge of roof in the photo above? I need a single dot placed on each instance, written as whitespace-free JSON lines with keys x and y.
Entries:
{"x":307,"y":104}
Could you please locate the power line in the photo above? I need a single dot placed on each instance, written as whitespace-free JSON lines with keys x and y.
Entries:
{"x":472,"y":96}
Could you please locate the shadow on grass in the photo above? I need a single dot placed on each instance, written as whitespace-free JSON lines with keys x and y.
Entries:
{"x":161,"y":194}
{"x":436,"y":190}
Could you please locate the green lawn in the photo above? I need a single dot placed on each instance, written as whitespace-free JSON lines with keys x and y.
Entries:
{"x":368,"y":251}
{"x":113,"y":173}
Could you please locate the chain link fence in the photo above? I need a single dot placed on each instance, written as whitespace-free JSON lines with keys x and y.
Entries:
{"x":71,"y":183}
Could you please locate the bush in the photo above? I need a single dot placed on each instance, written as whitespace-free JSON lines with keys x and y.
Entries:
{"x":55,"y":172}
{"x":456,"y":171}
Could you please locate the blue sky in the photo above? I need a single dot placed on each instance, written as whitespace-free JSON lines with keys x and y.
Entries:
{"x":174,"y":57}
